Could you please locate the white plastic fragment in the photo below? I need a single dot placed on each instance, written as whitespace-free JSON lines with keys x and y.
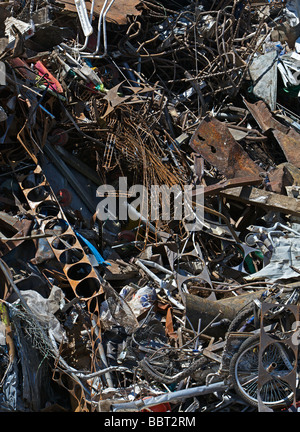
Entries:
{"x":27,"y":29}
{"x":292,"y":12}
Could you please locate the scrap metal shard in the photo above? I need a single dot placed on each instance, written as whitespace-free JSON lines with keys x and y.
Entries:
{"x":209,"y":309}
{"x":77,"y":268}
{"x":264,"y":117}
{"x":227,"y":184}
{"x":287,"y":137}
{"x":214,"y":142}
{"x":290,"y":145}
{"x":265,"y":199}
{"x":263,"y":71}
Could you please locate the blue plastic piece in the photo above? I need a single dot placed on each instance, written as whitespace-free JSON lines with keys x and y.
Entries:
{"x":97,"y":255}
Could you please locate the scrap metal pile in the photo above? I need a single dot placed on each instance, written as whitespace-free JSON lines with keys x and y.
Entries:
{"x":147,"y":313}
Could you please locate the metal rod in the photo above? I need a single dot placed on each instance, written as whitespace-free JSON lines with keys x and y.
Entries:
{"x":176,"y":396}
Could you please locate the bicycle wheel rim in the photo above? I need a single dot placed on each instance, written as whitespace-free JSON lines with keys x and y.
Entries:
{"x":274,"y":392}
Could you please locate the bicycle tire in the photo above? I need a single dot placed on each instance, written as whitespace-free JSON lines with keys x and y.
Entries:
{"x":244,"y":321}
{"x":247,"y":390}
{"x":149,"y":370}
{"x":241,"y":320}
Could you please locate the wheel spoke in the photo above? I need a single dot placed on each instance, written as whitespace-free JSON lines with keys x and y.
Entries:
{"x":246,"y":372}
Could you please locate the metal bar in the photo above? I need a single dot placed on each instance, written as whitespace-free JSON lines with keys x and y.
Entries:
{"x":171,"y":397}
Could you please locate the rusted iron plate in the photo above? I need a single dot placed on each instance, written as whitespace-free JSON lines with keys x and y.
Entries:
{"x":227,"y":184}
{"x":290,"y":145}
{"x":215,"y":143}
{"x":22,"y":228}
{"x":207,"y":310}
{"x":118,"y":12}
{"x":263,"y":116}
{"x":287,"y":137}
{"x":262,"y":198}
{"x":63,"y":242}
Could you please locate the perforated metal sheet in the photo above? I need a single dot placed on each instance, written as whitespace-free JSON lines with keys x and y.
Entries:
{"x":266,"y":340}
{"x":65,"y":245}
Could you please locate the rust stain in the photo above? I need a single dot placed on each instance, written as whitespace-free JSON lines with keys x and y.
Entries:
{"x":118,"y":12}
{"x":215,"y":143}
{"x":264,"y":117}
{"x":287,"y":137}
{"x":290,"y":145}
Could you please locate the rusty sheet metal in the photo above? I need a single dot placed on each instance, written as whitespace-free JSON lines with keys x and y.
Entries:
{"x":22,"y":229}
{"x":206,"y":309}
{"x":290,"y":145}
{"x":287,"y":137}
{"x":265,"y":199}
{"x":263,"y":116}
{"x":215,"y":143}
{"x":227,"y":184}
{"x":118,"y":12}
{"x":64,"y":243}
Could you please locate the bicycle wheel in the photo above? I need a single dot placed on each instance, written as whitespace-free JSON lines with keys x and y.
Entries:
{"x":277,"y":359}
{"x":243,"y":322}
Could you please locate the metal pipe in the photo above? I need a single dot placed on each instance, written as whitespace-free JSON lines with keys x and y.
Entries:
{"x":103,"y":357}
{"x":271,"y":367}
{"x":83,"y":47}
{"x":102,"y":19}
{"x":156,"y":265}
{"x":176,"y":396}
